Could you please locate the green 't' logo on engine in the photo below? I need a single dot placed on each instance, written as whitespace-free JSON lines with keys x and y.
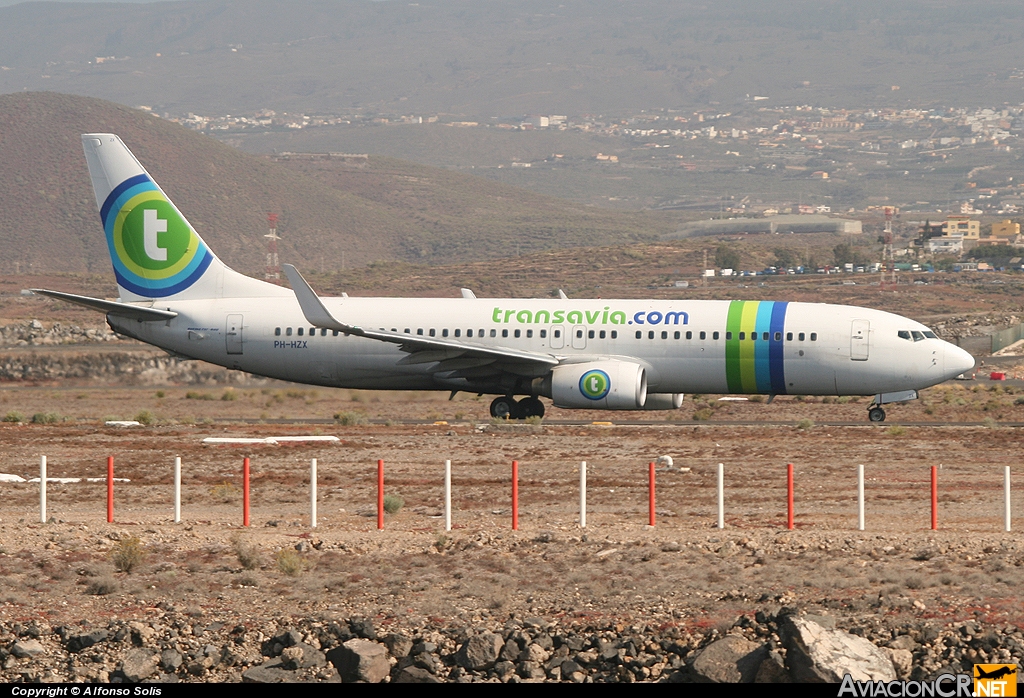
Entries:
{"x":595,"y":384}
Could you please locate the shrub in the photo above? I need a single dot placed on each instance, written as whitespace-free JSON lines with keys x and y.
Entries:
{"x":196,"y":395}
{"x":895,"y":430}
{"x":349,"y":419}
{"x":290,"y":562}
{"x":224,"y":492}
{"x":702,"y":415}
{"x":1018,"y":401}
{"x":127,"y":554}
{"x":45,"y":418}
{"x":393,"y":503}
{"x":534,"y":419}
{"x":229,"y":395}
{"x":160,"y":393}
{"x":101,"y":586}
{"x":14,"y":417}
{"x":248,"y":554}
{"x":989,"y":423}
{"x":145,"y":417}
{"x":805,"y":423}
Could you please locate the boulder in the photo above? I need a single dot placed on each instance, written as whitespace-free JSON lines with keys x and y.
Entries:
{"x":27,"y":648}
{"x":361,"y":660}
{"x":139,"y":664}
{"x":816,"y":654}
{"x":733,"y":659}
{"x":480,"y":651}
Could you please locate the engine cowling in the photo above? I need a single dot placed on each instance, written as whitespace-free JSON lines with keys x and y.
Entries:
{"x":600,"y":385}
{"x":663,"y":401}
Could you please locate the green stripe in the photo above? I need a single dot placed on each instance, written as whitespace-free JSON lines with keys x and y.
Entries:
{"x":732,"y":347}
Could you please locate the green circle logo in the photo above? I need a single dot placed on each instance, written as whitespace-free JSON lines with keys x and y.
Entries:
{"x":153,"y":236}
{"x":595,"y":384}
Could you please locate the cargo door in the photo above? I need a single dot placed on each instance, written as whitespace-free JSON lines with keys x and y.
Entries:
{"x":233,"y":334}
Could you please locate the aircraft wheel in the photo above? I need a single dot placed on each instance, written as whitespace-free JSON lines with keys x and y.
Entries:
{"x":876,"y":414}
{"x":504,"y":407}
{"x":531,"y":407}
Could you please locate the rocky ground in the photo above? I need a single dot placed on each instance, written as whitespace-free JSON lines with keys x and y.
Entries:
{"x":209,"y":600}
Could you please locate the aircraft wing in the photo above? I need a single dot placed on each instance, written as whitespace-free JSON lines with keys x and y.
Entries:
{"x":450,"y":355}
{"x":126,"y":310}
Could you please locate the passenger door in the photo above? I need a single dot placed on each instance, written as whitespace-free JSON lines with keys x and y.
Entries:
{"x":859,"y":334}
{"x":557,"y":337}
{"x":233,"y":334}
{"x":579,"y":337}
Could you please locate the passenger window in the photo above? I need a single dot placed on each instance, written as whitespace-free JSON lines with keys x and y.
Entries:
{"x":300,"y":331}
{"x":689,"y":334}
{"x":639,"y":334}
{"x":800,"y":336}
{"x":323,"y":331}
{"x":543,"y":334}
{"x":743,"y":335}
{"x":518,"y":333}
{"x":288,"y":332}
{"x":650,"y":335}
{"x":918,"y":336}
{"x":814,"y":336}
{"x":469,"y":333}
{"x":408,"y":331}
{"x":728,"y":335}
{"x":444,"y":332}
{"x":789,"y":336}
{"x":504,"y":333}
{"x":778,"y":337}
{"x":714,"y":335}
{"x":602,"y":334}
{"x":334,"y":333}
{"x":664,"y":335}
{"x":432,"y":332}
{"x":703,"y":335}
{"x":579,"y":334}
{"x":529,"y":333}
{"x":312,"y":331}
{"x":615,"y":334}
{"x":494,"y":333}
{"x":419,"y":331}
{"x":558,"y":333}
{"x":479,"y":334}
{"x":277,"y":331}
{"x":458,"y":333}
{"x":676,"y":334}
{"x":764,"y":336}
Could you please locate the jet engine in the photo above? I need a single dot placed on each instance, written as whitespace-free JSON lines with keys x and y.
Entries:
{"x":600,"y":385}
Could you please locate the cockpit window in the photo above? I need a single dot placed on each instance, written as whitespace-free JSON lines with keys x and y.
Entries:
{"x":904,"y":334}
{"x":930,"y":335}
{"x":918,"y":336}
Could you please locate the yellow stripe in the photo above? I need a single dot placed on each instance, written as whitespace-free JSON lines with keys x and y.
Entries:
{"x":748,"y":370}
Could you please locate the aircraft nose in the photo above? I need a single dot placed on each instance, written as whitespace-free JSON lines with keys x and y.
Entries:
{"x":957,"y":361}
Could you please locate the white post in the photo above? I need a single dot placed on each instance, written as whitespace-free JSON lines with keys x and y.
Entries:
{"x":583,"y":494}
{"x":721,"y":495}
{"x":42,"y":489}
{"x":447,"y":495}
{"x":312,"y":493}
{"x":177,"y":490}
{"x":860,"y":497}
{"x":1006,"y":497}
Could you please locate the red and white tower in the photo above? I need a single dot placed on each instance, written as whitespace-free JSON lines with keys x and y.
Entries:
{"x":273,"y":263}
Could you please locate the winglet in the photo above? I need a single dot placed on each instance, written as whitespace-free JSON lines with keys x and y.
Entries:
{"x":312,"y":307}
{"x":561,"y":295}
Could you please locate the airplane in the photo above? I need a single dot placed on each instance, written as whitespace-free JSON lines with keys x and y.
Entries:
{"x":600,"y":354}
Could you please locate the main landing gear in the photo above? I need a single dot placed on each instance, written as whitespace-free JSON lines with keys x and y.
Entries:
{"x":876,"y":414}
{"x":506,"y":407}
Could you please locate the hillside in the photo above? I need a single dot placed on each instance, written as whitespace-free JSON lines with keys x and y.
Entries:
{"x":522,"y":57}
{"x":385,"y":210}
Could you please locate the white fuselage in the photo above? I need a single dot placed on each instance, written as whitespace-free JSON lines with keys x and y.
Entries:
{"x":686,"y":346}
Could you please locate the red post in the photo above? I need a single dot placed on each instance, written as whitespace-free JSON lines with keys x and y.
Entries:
{"x":935,"y":498}
{"x":650,"y":495}
{"x":110,"y":489}
{"x":380,"y":495}
{"x":245,"y":491}
{"x":789,"y":496}
{"x":515,"y":495}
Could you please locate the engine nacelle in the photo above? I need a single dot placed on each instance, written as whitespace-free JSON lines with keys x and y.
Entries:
{"x":600,"y":385}
{"x":663,"y":401}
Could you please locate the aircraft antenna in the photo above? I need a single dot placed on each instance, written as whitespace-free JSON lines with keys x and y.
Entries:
{"x":273,"y":273}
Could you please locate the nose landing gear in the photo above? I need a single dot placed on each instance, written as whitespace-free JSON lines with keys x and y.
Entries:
{"x":876,"y":414}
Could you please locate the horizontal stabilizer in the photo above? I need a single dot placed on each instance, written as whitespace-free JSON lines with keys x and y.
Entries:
{"x":125,"y":310}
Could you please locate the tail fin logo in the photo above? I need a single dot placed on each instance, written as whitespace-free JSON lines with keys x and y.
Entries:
{"x":154,"y":250}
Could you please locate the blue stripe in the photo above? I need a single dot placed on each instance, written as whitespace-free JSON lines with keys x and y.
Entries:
{"x":777,"y":349}
{"x":169,"y":290}
{"x":112,"y":196}
{"x":762,"y":369}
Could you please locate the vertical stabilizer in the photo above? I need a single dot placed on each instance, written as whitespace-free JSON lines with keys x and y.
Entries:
{"x":156,"y":253}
